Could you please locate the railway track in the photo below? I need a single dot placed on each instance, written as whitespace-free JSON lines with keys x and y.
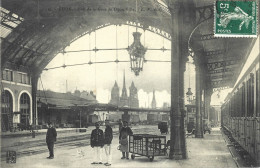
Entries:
{"x":37,"y":147}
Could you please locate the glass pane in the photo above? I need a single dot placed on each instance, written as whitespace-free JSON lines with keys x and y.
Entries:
{"x":4,"y":75}
{"x":19,"y":77}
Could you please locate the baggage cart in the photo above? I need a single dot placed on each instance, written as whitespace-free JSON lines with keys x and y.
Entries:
{"x":147,"y":145}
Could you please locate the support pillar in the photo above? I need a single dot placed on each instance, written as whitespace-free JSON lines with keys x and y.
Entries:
{"x":177,"y":137}
{"x":199,"y":131}
{"x":34,"y":100}
{"x":1,"y":94}
{"x":207,"y":101}
{"x":182,"y":110}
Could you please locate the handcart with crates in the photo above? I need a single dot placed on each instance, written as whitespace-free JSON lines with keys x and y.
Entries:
{"x":147,"y":145}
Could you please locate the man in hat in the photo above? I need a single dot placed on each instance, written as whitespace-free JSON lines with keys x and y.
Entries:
{"x":123,"y":139}
{"x":50,"y":139}
{"x":97,"y":142}
{"x":107,"y":141}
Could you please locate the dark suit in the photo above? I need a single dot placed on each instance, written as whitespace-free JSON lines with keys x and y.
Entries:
{"x":97,"y":142}
{"x":97,"y":138}
{"x":50,"y":139}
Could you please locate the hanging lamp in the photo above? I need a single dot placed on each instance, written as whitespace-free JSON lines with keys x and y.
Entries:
{"x":189,"y":92}
{"x":136,"y":51}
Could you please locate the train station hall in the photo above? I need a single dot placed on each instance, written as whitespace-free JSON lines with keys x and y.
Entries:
{"x":130,"y":83}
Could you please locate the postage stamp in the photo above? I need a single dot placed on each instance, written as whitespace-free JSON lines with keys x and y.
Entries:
{"x":235,"y":19}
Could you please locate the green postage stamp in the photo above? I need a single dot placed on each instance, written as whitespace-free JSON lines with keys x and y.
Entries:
{"x":235,"y":19}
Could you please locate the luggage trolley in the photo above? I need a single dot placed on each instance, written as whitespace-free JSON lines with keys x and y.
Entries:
{"x":147,"y":145}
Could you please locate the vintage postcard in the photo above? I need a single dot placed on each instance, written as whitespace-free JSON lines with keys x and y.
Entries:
{"x":130,"y":83}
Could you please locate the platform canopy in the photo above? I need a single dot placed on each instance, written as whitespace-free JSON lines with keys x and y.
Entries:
{"x":33,"y":32}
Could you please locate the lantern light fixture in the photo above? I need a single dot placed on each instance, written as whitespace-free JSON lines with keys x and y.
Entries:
{"x":137,"y":54}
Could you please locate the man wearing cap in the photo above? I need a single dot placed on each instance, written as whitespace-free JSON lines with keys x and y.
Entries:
{"x":50,"y":139}
{"x":107,"y":141}
{"x":123,"y":139}
{"x":97,"y":142}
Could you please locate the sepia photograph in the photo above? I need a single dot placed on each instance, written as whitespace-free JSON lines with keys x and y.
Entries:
{"x":130,"y":83}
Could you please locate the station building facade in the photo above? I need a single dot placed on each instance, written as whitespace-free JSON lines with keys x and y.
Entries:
{"x":16,"y":102}
{"x":16,"y":97}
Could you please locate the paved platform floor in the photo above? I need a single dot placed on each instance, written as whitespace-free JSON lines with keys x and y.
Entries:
{"x":211,"y":151}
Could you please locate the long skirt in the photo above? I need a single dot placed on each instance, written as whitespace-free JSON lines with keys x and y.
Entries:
{"x":124,"y":145}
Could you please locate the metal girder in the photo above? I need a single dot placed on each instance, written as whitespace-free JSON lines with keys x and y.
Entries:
{"x":44,"y":60}
{"x":162,"y":7}
{"x":46,"y":49}
{"x":23,"y":39}
{"x":158,"y":32}
{"x":215,"y":52}
{"x":22,"y":57}
{"x":17,"y":42}
{"x":7,"y":18}
{"x":18,"y":45}
{"x":34,"y":53}
{"x":206,"y":37}
{"x":220,"y":83}
{"x":7,"y":26}
{"x":222,"y":76}
{"x":222,"y":58}
{"x":89,"y":31}
{"x":220,"y":88}
{"x":221,"y":70}
{"x":155,"y":30}
{"x":215,"y":65}
{"x":204,"y":13}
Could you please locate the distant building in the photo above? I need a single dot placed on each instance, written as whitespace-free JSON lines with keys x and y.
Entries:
{"x":133,"y":97}
{"x":77,"y":93}
{"x":153,"y":104}
{"x":86,"y":95}
{"x":64,"y":109}
{"x":190,"y":118}
{"x":115,"y":95}
{"x":214,"y":114}
{"x":124,"y":100}
{"x":166,"y":105}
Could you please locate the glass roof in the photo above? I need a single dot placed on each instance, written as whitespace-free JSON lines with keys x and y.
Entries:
{"x":9,"y":21}
{"x":163,"y":6}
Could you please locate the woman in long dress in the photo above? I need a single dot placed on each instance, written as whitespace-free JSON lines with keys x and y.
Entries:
{"x":123,"y":140}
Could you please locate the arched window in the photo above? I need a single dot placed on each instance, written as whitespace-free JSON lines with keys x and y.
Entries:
{"x":7,"y":110}
{"x":25,"y":110}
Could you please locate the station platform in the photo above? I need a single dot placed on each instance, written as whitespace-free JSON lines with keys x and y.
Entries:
{"x":210,"y":151}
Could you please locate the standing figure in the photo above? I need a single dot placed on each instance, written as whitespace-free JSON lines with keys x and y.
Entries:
{"x":97,"y":142}
{"x":123,"y":140}
{"x":107,"y":141}
{"x":120,"y":124}
{"x":50,"y":139}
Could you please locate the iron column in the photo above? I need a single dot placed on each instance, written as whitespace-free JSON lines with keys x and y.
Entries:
{"x":199,"y":131}
{"x":177,"y":151}
{"x":34,"y":101}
